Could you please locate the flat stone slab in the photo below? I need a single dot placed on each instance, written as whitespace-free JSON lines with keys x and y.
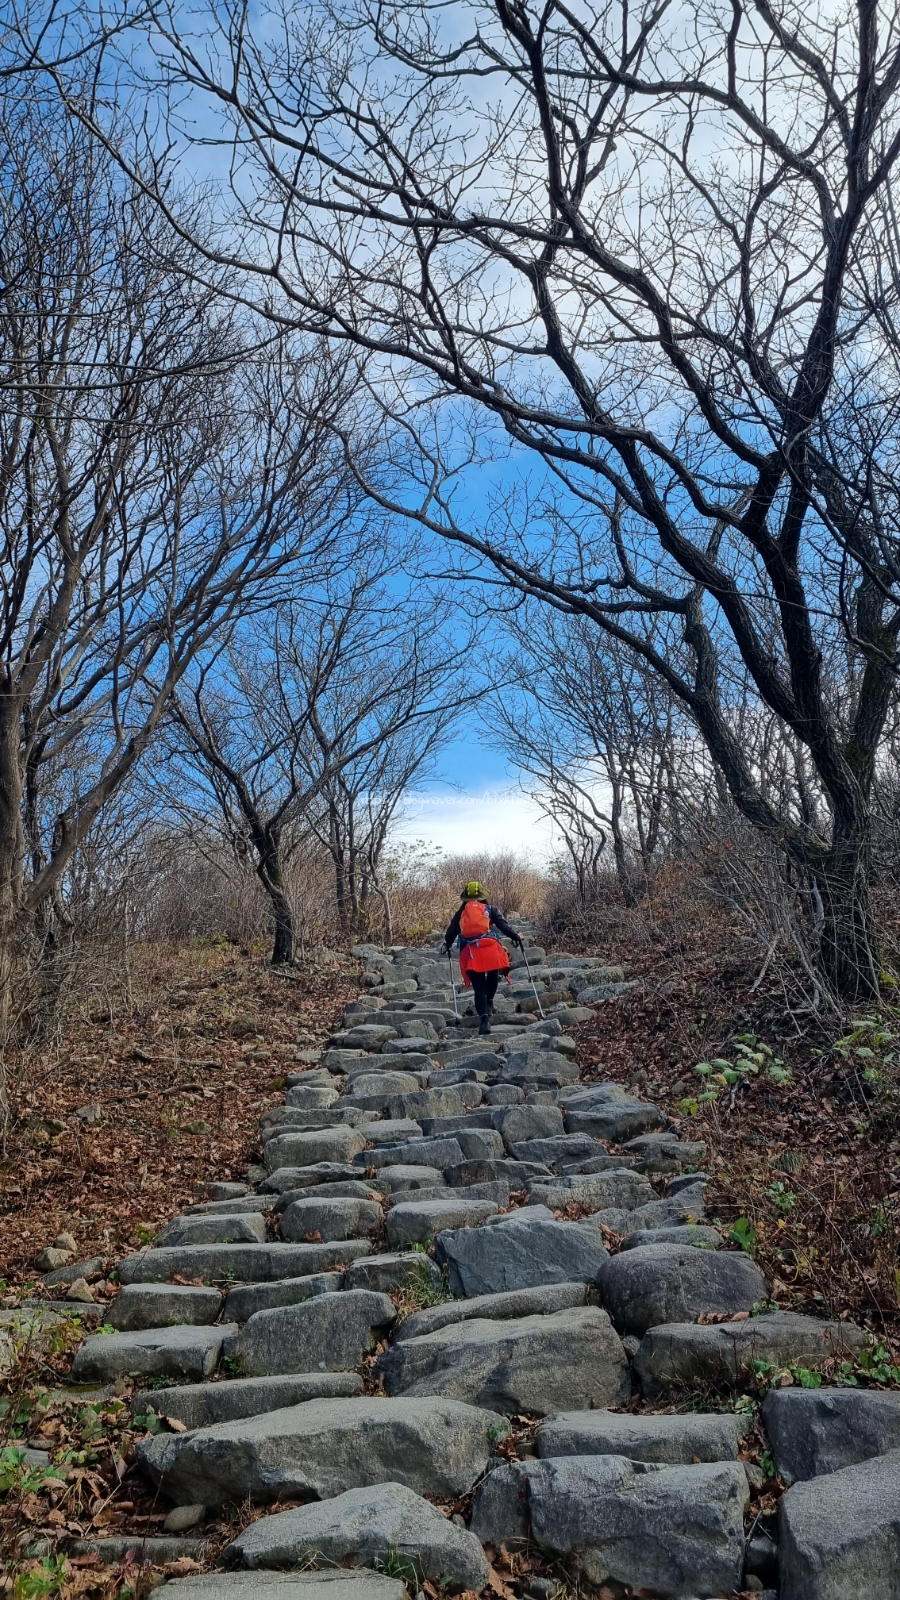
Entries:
{"x":157,"y":1352}
{"x":840,"y":1534}
{"x":419,"y":1103}
{"x":247,"y":1298}
{"x":289,"y":1586}
{"x":683,"y":1354}
{"x":438,"y":1153}
{"x":246,"y":1228}
{"x":658,"y":1283}
{"x":160,"y":1305}
{"x":311,"y":1097}
{"x":230,"y":1208}
{"x":615,"y":1120}
{"x":691,"y":1233}
{"x":368,"y":1036}
{"x":535,"y":1065}
{"x":552,"y":1152}
{"x":571,"y":1358}
{"x":417,"y":1221}
{"x":320,"y":1449}
{"x":522,"y":1124}
{"x":330,"y":1332}
{"x":330,"y":1219}
{"x":520,"y":1253}
{"x":622,"y":1188}
{"x":392,"y":1130}
{"x":198,"y":1405}
{"x":307,"y":1148}
{"x":248,"y":1263}
{"x":817,"y":1431}
{"x":671,"y":1531}
{"x":395,"y":1271}
{"x":352,"y":1189}
{"x":670,"y":1440}
{"x":318,"y":1173}
{"x":368,"y":1526}
{"x":515,"y":1303}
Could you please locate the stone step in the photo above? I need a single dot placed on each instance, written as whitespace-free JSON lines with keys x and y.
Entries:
{"x":249,"y":1228}
{"x":559,"y":1361}
{"x":232,"y":1208}
{"x":682,"y":1355}
{"x":328,"y":1333}
{"x":396,"y":1271}
{"x":179,"y":1352}
{"x":322,"y":1448}
{"x":387,"y":1522}
{"x":669,"y":1440}
{"x":198,"y":1405}
{"x":840,"y":1533}
{"x":330,"y":1219}
{"x":516,"y":1303}
{"x":288,"y":1586}
{"x":246,"y":1263}
{"x":419,"y":1221}
{"x":245,"y":1299}
{"x":520,"y":1252}
{"x":163,"y":1305}
{"x":816,"y":1431}
{"x":666,"y":1530}
{"x":661,"y":1283}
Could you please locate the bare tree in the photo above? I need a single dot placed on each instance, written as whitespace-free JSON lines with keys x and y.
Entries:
{"x":310,"y":723}
{"x":162,"y":464}
{"x":601,"y":740}
{"x":659,"y":255}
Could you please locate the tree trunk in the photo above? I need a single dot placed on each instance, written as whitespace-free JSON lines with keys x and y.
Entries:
{"x":283,"y":948}
{"x":848,"y":953}
{"x":272,"y":879}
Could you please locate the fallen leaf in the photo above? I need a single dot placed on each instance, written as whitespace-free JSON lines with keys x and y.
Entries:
{"x":176,"y":1424}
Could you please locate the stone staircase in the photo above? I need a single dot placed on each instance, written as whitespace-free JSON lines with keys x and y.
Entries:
{"x":416,"y":1296}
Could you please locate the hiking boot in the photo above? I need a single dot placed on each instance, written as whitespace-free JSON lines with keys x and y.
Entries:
{"x":484,"y":1025}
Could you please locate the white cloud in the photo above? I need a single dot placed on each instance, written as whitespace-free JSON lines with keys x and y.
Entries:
{"x":464,"y":824}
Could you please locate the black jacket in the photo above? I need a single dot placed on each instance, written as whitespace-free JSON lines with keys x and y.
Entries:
{"x":497,"y":921}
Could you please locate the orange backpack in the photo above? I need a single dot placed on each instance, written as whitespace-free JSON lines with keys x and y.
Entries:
{"x":474,"y":921}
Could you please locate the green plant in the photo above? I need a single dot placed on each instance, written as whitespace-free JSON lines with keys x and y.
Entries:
{"x":144,"y":1234}
{"x":495,"y":1431}
{"x":232,"y":1365}
{"x":767,"y":1464}
{"x":743,"y":1233}
{"x":783,"y":1199}
{"x":403,"y":1567}
{"x":45,"y":1579}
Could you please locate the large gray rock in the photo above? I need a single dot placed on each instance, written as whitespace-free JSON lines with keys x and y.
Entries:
{"x":392,"y":1131}
{"x":311,"y":1096}
{"x":367,"y":1526}
{"x":199,"y":1404}
{"x":624,"y":1189}
{"x":287,"y":1586}
{"x":157,"y":1352}
{"x":685,"y":1355}
{"x":516,"y":1303}
{"x":419,"y":1103}
{"x":386,"y":1274}
{"x":816,"y":1431}
{"x":520,"y":1253}
{"x":401,"y":1178}
{"x":675,"y":1283}
{"x":520,"y":1124}
{"x":613,"y":1119}
{"x":249,"y":1228}
{"x":245,"y":1299}
{"x":674,"y":1531}
{"x":285,"y":1119}
{"x":330,"y":1219}
{"x":389,"y":1060}
{"x":417,"y":1221}
{"x":840,"y":1534}
{"x":438,"y":1153}
{"x":480,"y":1144}
{"x":331,"y":1332}
{"x":245,"y":1263}
{"x":367,"y":1036}
{"x":373,"y":1091}
{"x":535,"y":1065}
{"x":540,"y":1364}
{"x":323,"y":1447}
{"x":673,"y":1440}
{"x":516,"y":1173}
{"x":161,"y":1305}
{"x":552,"y":1152}
{"x":307,"y":1148}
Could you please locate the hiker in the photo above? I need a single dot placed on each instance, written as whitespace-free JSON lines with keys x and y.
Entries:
{"x":482,"y":957}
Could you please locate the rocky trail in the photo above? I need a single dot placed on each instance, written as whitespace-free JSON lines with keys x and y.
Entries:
{"x":468,"y":1316}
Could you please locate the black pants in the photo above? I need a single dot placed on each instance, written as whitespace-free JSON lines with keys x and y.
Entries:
{"x":484,"y":987}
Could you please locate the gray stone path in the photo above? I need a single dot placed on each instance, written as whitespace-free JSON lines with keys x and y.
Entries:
{"x":439,"y":1238}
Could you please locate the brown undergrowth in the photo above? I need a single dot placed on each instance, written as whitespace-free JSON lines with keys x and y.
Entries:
{"x":801,"y":1114}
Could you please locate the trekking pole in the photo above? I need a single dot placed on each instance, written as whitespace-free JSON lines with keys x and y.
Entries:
{"x":533,"y":984}
{"x":453,"y":986}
